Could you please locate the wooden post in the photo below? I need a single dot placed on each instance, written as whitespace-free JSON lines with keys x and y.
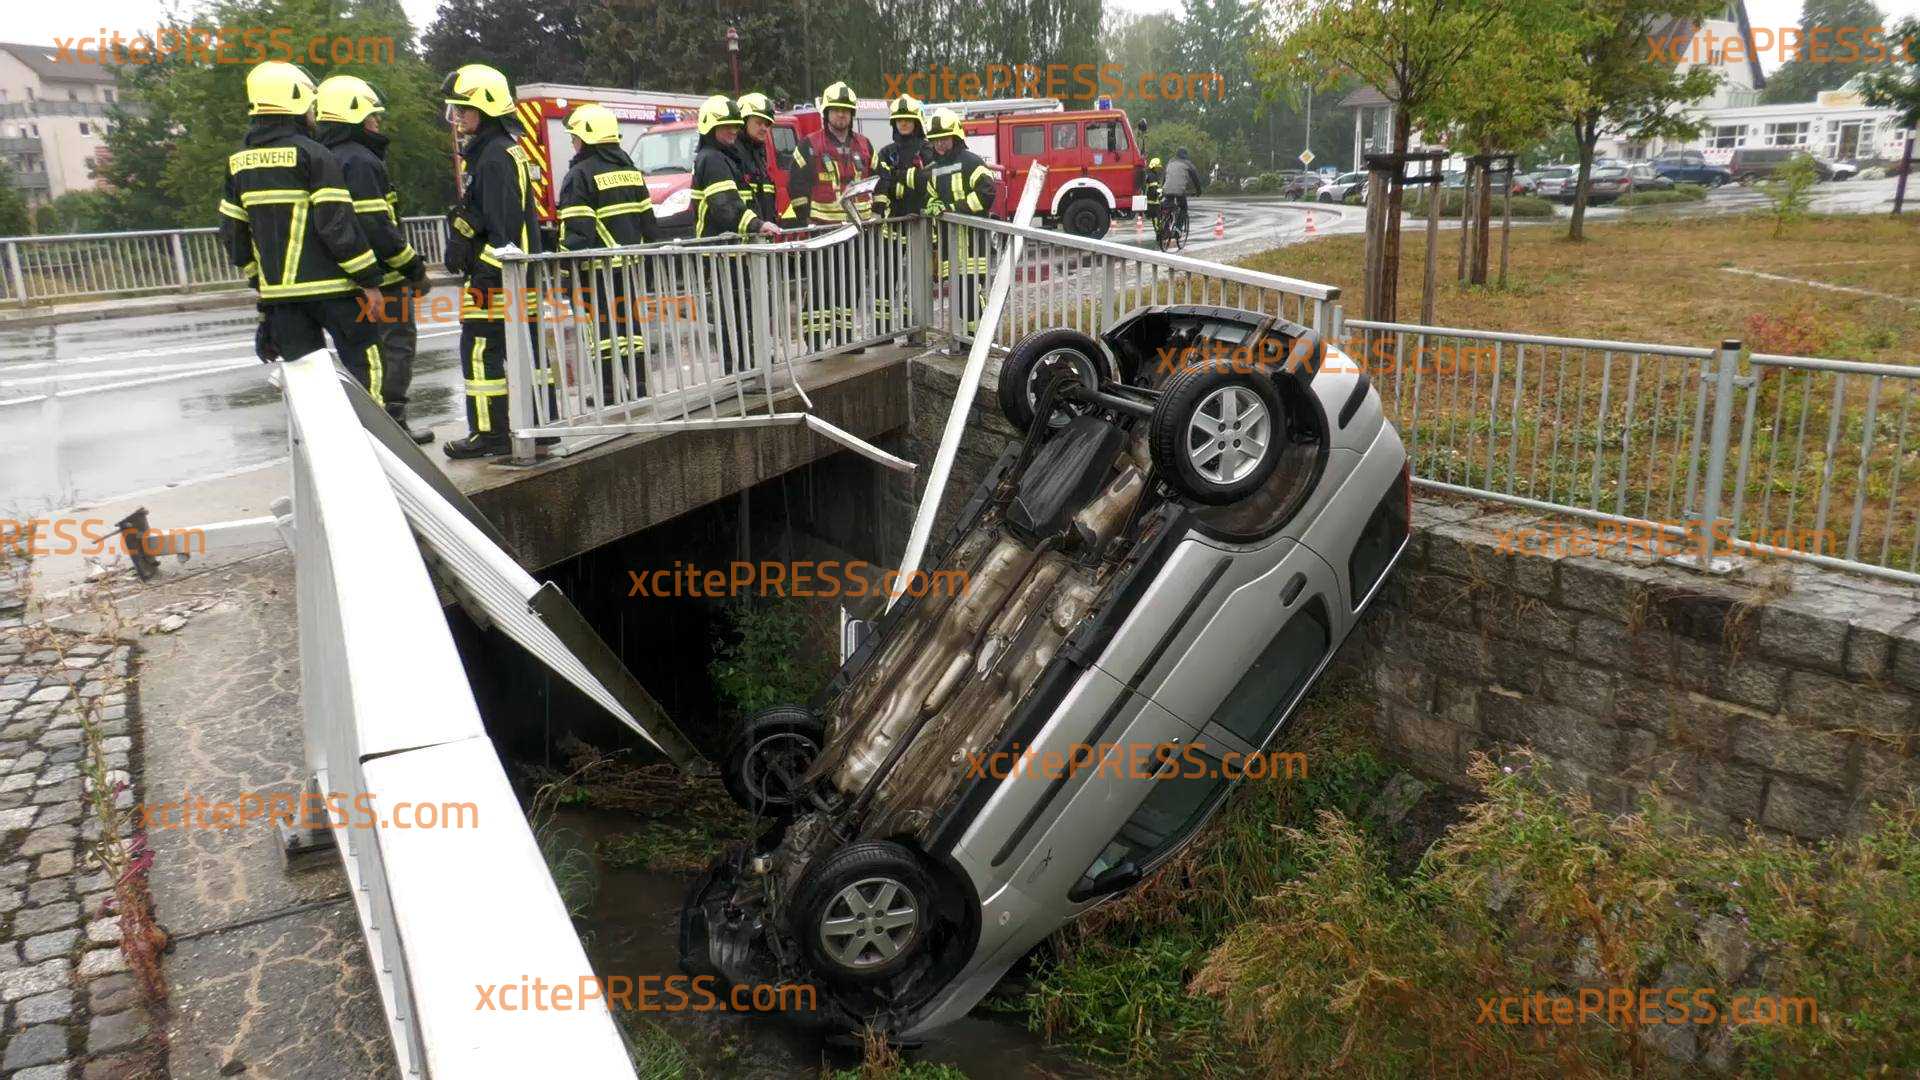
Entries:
{"x":1466,"y":215}
{"x":1482,"y":213}
{"x":1433,"y":247}
{"x":1376,"y":214}
{"x":1506,"y":218}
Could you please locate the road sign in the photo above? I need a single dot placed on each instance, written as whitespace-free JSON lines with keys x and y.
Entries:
{"x":1306,"y":158}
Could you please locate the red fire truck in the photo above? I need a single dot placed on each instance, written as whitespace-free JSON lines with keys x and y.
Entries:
{"x":543,"y":109}
{"x":1095,"y":170}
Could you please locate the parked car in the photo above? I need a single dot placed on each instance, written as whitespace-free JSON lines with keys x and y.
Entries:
{"x":1690,"y":167}
{"x":1525,"y":183}
{"x":1647,"y":178}
{"x":1302,"y":186}
{"x":1604,"y":184}
{"x":1751,"y":163}
{"x":1168,"y":559}
{"x":1337,"y":189}
{"x":1555,"y":181}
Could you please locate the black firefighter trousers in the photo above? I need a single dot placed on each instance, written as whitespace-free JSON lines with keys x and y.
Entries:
{"x":296,"y":328}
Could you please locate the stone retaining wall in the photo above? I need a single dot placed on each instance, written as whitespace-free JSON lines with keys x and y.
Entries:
{"x":1784,"y":695}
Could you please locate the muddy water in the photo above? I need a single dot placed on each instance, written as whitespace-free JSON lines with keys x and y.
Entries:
{"x":631,"y":930}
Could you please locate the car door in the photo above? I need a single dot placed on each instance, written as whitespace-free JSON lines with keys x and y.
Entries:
{"x":1107,"y":142}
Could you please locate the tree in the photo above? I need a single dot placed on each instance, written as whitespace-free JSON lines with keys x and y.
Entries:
{"x":1900,"y":91}
{"x":1624,"y":86}
{"x":81,"y":210}
{"x":167,"y":152}
{"x":1163,"y":139}
{"x":1838,"y":26}
{"x":13,"y":205}
{"x":529,"y":42}
{"x":1409,"y":50}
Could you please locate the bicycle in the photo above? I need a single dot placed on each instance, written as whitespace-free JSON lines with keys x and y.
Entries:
{"x":1169,"y":234}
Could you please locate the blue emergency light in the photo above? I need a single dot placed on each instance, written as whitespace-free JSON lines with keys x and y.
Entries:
{"x":1103,"y":103}
{"x":668,"y":116}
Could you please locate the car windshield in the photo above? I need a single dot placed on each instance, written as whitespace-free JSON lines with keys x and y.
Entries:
{"x":665,"y":151}
{"x":1556,"y":174}
{"x":1609,"y":174}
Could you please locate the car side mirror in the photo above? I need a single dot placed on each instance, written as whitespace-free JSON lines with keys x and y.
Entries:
{"x":1115,"y":878}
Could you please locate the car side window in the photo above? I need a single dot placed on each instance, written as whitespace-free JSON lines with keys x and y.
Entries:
{"x":1066,"y":136}
{"x":1182,"y":795}
{"x":1029,"y":140}
{"x":1256,"y":703}
{"x":783,"y":142}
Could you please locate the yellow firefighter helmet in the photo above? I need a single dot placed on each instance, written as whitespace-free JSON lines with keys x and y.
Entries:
{"x":594,"y":124}
{"x":480,"y":87}
{"x":719,"y":111}
{"x":346,"y":99}
{"x":944,"y":124}
{"x":277,"y":88}
{"x":838,"y":96}
{"x":907,"y":107}
{"x":756,"y":104}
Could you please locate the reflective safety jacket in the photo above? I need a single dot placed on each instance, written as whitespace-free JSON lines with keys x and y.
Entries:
{"x":958,"y":181}
{"x":286,"y":218}
{"x":362,"y":157}
{"x":720,"y":201}
{"x":604,"y":202}
{"x":898,"y":165}
{"x":822,"y":168}
{"x":496,"y":206}
{"x":757,"y":187}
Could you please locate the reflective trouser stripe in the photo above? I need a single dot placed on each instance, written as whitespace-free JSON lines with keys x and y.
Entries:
{"x":375,"y":376}
{"x":481,"y":387}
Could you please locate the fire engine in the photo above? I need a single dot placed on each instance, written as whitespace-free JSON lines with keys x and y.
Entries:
{"x":1095,"y":170}
{"x":543,"y":109}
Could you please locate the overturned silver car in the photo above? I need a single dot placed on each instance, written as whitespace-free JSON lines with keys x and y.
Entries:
{"x":1204,"y":503}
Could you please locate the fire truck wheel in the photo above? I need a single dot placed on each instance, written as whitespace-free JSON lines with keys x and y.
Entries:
{"x":1086,"y":216}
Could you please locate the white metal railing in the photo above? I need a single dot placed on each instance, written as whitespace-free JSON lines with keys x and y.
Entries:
{"x":700,"y":333}
{"x":388,"y":714}
{"x":39,"y":269}
{"x":1759,"y":454}
{"x":1073,"y":281}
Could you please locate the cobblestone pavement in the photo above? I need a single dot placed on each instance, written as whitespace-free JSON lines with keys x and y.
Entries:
{"x":71,"y":1007}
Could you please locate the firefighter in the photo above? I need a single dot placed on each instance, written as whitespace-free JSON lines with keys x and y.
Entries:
{"x":824,"y":164}
{"x":899,"y":165}
{"x":287,"y":221}
{"x":955,"y":178}
{"x":723,"y":206}
{"x":756,"y":156}
{"x":348,"y":115}
{"x":495,"y":213}
{"x":1153,"y":187}
{"x":604,"y":203}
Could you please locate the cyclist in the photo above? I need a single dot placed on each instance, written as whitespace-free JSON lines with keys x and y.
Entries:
{"x":1183,"y":180}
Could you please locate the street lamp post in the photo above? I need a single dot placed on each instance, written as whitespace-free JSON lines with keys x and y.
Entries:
{"x":733,"y":56}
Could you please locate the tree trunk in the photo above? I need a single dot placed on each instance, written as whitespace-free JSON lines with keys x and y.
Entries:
{"x":1589,"y":134}
{"x":1506,"y":226}
{"x":1376,"y":229}
{"x":1483,"y":196}
{"x":1906,"y":170}
{"x":1466,"y":223}
{"x":1433,"y":250}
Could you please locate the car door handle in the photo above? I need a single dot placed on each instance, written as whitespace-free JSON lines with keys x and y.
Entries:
{"x":1292,"y":592}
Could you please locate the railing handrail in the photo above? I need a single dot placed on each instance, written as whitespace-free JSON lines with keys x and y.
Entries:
{"x":135,"y":233}
{"x":1239,"y":275}
{"x":1688,"y":351}
{"x":1822,"y":363}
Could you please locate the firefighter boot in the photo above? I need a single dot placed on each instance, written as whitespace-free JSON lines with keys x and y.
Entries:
{"x":477,"y":446}
{"x":421,"y":435}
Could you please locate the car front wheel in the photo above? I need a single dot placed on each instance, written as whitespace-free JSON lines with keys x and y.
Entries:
{"x":1039,"y":357}
{"x":1217,"y":432}
{"x":862,"y":914}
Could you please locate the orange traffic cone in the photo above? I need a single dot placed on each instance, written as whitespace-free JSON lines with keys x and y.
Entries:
{"x":1311,"y":231}
{"x":1219,"y":226}
{"x":1137,"y":233}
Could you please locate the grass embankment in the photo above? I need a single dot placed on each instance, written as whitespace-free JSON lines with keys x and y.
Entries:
{"x":1665,"y":281}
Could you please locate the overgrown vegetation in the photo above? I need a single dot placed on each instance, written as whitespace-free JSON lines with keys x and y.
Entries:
{"x":777,"y":652}
{"x":1524,"y":206}
{"x":1349,"y":970}
{"x":1789,"y":192}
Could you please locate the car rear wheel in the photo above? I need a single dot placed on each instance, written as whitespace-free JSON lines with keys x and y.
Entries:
{"x":862,"y":914}
{"x":1217,"y":433}
{"x":1086,"y":216}
{"x":1716,"y":181}
{"x":773,"y":750}
{"x":1041,"y":356}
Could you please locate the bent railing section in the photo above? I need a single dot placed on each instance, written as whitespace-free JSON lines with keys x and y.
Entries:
{"x":390,"y":719}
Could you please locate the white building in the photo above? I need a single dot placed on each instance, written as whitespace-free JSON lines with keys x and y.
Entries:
{"x":53,"y":119}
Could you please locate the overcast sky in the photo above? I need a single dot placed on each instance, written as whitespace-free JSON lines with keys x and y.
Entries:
{"x":36,"y":22}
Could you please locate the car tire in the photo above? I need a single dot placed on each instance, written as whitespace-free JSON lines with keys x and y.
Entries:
{"x":1024,"y":372}
{"x":1716,"y":181}
{"x":1086,"y":216}
{"x":773,"y":749}
{"x":863,"y":913}
{"x":1230,"y":462}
